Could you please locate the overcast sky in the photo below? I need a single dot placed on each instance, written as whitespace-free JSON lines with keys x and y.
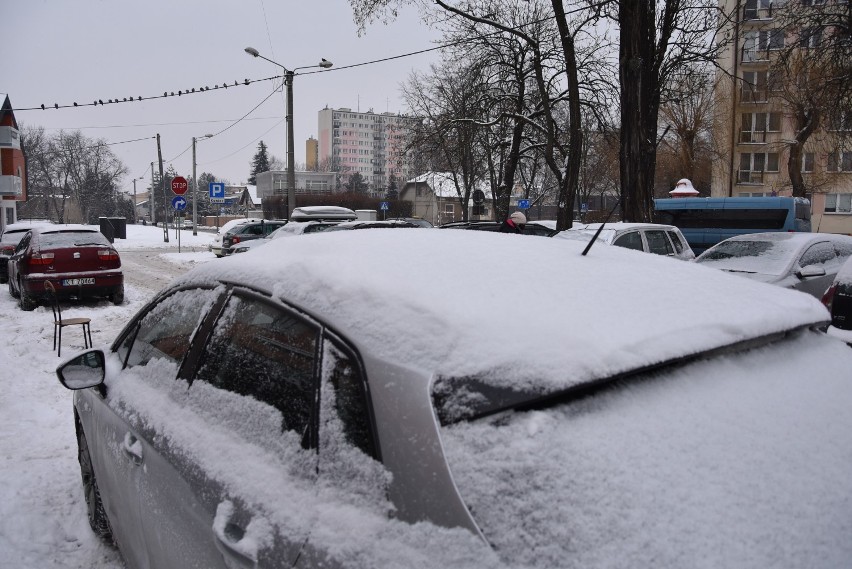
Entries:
{"x":61,"y":52}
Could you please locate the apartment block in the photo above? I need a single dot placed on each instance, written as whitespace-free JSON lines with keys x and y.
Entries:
{"x":756,"y":122}
{"x":372,"y":144}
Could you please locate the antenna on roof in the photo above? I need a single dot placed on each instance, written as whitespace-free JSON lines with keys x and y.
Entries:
{"x":598,"y":232}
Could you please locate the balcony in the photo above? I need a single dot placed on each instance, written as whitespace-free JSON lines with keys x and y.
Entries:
{"x":749,"y":177}
{"x":753,"y":137}
{"x":11,"y":186}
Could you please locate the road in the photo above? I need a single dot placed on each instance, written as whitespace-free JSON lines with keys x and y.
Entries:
{"x":147,"y":269}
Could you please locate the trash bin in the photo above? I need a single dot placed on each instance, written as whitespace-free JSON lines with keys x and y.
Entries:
{"x":113,"y":228}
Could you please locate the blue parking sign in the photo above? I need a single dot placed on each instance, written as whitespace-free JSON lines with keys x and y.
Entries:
{"x":523,"y":204}
{"x":217,"y":190}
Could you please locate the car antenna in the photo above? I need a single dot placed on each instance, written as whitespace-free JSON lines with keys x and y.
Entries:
{"x":598,"y":232}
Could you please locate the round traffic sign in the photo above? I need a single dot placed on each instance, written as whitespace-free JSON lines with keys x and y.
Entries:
{"x":179,"y":185}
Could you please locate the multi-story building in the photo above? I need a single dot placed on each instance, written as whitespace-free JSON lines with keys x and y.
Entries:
{"x":311,"y":154}
{"x":13,"y":175}
{"x":755,"y":124}
{"x":371,"y":144}
{"x":274,"y":182}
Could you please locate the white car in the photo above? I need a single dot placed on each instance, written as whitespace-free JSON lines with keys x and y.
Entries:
{"x":655,"y":238}
{"x":216,"y":246}
{"x":405,"y":399}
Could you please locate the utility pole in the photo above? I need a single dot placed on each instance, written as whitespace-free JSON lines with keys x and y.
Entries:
{"x":165,"y":198}
{"x":151,"y":198}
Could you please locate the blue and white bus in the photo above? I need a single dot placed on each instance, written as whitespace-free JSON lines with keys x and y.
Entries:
{"x":706,"y":221}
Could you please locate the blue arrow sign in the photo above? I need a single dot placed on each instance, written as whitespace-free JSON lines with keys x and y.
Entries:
{"x":179,"y":203}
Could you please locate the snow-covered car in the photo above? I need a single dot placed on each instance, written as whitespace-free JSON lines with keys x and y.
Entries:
{"x":838,"y":300}
{"x":216,"y":246}
{"x":802,"y":261}
{"x":355,"y":400}
{"x":292,"y":229}
{"x":9,"y":239}
{"x":654,"y":238}
{"x":77,"y":260}
{"x":251,"y":231}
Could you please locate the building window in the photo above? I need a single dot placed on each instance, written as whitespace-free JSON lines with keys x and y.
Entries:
{"x":756,"y":125}
{"x":839,"y":162}
{"x":755,"y":87}
{"x":810,"y":37}
{"x":754,"y":164}
{"x":757,"y":44}
{"x":808,"y":162}
{"x":838,"y":203}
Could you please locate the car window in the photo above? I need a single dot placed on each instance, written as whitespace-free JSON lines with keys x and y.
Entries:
{"x":260,"y":350}
{"x":818,"y":254}
{"x":23,"y":243}
{"x":658,"y":243}
{"x":271,"y":227}
{"x":345,"y":388}
{"x":166,"y":331}
{"x":675,"y":239}
{"x":630,"y":240}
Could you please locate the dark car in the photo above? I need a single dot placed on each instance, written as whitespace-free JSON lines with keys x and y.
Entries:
{"x":77,"y":259}
{"x":374,"y":224}
{"x":329,"y":402}
{"x":838,"y":300}
{"x":9,"y":239}
{"x":531,"y":228}
{"x":248,"y":231}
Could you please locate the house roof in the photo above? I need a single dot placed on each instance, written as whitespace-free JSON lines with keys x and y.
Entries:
{"x":441,"y":183}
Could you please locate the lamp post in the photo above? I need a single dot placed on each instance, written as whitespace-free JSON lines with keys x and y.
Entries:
{"x":134,"y":198}
{"x":195,"y":186}
{"x":288,"y":81}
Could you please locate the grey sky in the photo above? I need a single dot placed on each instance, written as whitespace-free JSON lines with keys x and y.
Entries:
{"x":61,"y":52}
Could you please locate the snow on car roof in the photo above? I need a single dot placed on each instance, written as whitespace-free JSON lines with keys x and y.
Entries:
{"x":463,"y":303}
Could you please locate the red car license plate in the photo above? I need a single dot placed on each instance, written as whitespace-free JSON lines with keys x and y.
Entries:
{"x":76,"y":282}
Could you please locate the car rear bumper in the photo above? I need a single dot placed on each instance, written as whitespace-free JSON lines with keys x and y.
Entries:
{"x":74,"y":284}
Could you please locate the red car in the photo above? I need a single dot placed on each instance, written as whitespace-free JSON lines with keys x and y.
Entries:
{"x":77,"y":259}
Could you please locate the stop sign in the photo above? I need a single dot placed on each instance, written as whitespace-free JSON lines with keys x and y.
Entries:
{"x":179,"y":185}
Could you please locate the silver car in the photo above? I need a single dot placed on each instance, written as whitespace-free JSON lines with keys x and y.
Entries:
{"x":656,"y":238}
{"x":402,"y":399}
{"x":802,"y":261}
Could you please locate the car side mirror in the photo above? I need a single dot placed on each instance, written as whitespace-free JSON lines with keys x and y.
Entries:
{"x":85,"y":370}
{"x":810,"y":271}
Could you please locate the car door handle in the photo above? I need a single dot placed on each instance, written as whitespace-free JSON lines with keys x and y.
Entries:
{"x":229,"y":539}
{"x":132,"y":447}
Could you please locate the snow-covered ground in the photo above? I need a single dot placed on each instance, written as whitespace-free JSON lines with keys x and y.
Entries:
{"x":42,"y":510}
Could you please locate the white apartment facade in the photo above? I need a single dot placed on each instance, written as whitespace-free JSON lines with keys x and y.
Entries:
{"x":754,"y":127}
{"x":372,"y":144}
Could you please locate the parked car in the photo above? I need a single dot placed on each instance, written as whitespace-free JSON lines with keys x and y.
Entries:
{"x":838,"y":300}
{"x":9,"y":239}
{"x":77,"y":259}
{"x":334,"y":403}
{"x":216,"y":246}
{"x":249,"y":231}
{"x":291,"y":229}
{"x":308,"y":219}
{"x":540,"y":228}
{"x":803,"y":261}
{"x":654,"y":238}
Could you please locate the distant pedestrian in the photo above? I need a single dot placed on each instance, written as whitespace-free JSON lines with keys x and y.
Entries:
{"x":514,"y":224}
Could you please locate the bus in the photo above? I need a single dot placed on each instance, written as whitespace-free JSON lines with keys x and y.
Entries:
{"x":706,"y":221}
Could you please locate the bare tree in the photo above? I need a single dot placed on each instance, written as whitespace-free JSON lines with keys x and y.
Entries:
{"x":812,"y":78}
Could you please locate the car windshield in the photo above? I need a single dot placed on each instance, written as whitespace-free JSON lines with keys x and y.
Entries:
{"x":751,"y":256}
{"x":73,"y":239}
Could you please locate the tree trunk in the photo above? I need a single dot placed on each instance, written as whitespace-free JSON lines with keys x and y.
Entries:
{"x":637,"y":150}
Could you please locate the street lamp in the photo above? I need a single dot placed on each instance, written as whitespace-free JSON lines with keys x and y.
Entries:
{"x":288,"y":81}
{"x":195,"y":186}
{"x":134,"y":198}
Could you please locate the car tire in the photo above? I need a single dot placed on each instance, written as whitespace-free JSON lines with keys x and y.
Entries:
{"x":117,"y":296}
{"x":25,"y":301}
{"x":96,"y":512}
